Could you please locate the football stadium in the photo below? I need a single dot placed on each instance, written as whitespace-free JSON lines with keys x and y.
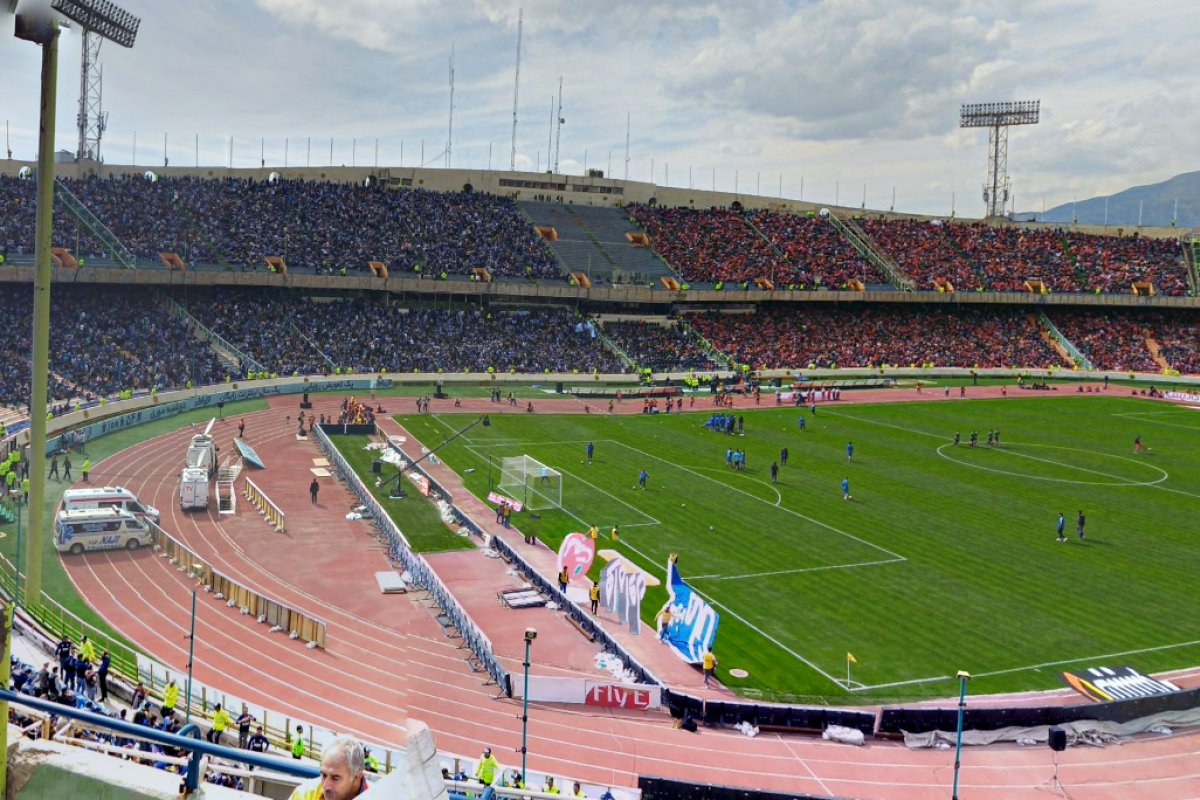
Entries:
{"x":438,"y":481}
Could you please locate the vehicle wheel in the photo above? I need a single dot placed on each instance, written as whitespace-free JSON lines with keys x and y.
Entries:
{"x":76,"y":549}
{"x":132,"y":544}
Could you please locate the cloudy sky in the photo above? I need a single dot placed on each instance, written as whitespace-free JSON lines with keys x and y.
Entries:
{"x":827,"y":96}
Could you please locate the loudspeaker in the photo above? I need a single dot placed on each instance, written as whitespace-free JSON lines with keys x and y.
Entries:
{"x":687,"y":723}
{"x":558,"y":387}
{"x":376,"y":467}
{"x":304,"y":403}
{"x":1058,"y":739}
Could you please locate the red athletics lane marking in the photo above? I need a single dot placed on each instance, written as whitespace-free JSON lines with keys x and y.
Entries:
{"x":151,"y":606}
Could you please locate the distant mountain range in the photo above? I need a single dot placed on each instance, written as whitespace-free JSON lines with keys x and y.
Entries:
{"x":1155,"y":203}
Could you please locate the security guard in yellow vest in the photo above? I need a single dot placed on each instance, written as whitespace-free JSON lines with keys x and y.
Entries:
{"x":485,"y":773}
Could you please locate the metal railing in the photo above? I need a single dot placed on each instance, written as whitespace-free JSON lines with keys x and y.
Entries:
{"x":1074,"y":352}
{"x":422,"y":574}
{"x":279,"y":615}
{"x":866,"y":247}
{"x":265,"y":505}
{"x":188,"y":739}
{"x":84,"y":216}
{"x":212,"y":336}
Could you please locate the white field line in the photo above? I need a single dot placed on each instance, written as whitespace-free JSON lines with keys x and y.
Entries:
{"x":1026,"y":668}
{"x":752,"y":626}
{"x":1156,"y":649}
{"x":1157,"y":486}
{"x":652,"y":521}
{"x":1118,"y":480}
{"x":717,"y":577}
{"x":818,"y":523}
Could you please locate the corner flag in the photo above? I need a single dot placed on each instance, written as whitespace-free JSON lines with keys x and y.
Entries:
{"x":850,"y":657}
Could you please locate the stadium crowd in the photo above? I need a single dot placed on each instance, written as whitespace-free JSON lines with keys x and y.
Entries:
{"x":818,"y":253}
{"x":286,"y":333}
{"x":314,"y":226}
{"x":875,"y":336}
{"x":103,"y":340}
{"x":1179,"y":339}
{"x":660,"y":348}
{"x":924,"y":252}
{"x":1119,"y":341}
{"x":708,"y":245}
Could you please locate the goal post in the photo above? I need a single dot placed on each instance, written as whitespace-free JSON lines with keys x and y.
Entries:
{"x":536,"y":485}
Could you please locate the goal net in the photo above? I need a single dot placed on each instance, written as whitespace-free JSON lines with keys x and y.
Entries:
{"x":526,"y":479}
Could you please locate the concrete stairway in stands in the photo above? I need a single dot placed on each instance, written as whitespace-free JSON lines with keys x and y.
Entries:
{"x":592,"y":240}
{"x":1156,"y":353}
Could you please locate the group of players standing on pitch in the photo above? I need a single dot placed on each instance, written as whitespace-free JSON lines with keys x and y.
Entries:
{"x":993,"y":438}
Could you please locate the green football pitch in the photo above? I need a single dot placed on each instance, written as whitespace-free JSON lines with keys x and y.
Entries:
{"x":944,"y":558}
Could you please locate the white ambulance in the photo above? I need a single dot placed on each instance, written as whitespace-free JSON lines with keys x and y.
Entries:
{"x":99,"y":529}
{"x":108,"y":497}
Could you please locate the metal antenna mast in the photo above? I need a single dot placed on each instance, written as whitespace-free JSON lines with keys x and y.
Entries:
{"x":512,"y":159}
{"x":91,"y":119}
{"x":997,"y":117}
{"x":450,"y":129}
{"x":558,"y":130}
{"x":626,"y":145}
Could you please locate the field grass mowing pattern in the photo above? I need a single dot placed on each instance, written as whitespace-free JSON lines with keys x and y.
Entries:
{"x":945,"y":559}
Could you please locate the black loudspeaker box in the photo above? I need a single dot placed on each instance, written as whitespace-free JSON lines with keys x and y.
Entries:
{"x":1058,"y":739}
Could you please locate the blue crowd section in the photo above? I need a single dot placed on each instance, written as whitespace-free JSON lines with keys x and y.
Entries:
{"x":314,"y":226}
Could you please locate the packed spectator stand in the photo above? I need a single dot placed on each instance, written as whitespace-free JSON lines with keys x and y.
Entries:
{"x":289,"y":334}
{"x":659,"y":348}
{"x":819,"y":255}
{"x":1121,"y":341}
{"x":102,"y":341}
{"x":863,"y":336}
{"x":314,"y":226}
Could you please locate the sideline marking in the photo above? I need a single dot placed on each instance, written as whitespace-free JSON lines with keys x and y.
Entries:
{"x":1090,"y":658}
{"x":716,"y":577}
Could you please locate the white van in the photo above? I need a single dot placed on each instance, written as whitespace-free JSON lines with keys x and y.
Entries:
{"x":99,"y":529}
{"x":108,"y":497}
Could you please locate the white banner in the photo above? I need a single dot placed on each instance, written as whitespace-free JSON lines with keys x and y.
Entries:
{"x":605,"y":694}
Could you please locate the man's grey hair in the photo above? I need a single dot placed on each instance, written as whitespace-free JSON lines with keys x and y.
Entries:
{"x":344,"y":749}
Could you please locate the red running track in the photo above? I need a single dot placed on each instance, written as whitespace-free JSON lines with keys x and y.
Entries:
{"x":386,"y":658}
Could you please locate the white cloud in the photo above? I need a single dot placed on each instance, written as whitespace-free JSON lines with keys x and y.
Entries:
{"x":849,"y":91}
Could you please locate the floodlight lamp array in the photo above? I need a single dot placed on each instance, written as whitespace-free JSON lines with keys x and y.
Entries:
{"x":988,"y":115}
{"x":102,"y":17}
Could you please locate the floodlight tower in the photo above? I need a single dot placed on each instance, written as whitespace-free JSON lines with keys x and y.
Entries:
{"x":91,"y":118}
{"x":116,"y":24}
{"x":997,"y":117}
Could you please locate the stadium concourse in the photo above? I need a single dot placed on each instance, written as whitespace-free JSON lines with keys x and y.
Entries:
{"x":386,"y":659}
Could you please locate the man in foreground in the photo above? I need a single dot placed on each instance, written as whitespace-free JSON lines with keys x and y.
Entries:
{"x":341,"y":775}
